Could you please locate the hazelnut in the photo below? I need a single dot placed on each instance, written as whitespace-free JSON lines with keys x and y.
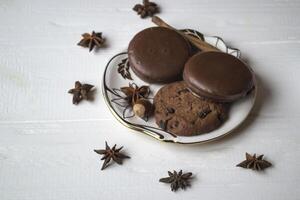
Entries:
{"x":142,"y":108}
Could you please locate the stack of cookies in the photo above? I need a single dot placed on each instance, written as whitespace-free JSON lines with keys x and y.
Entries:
{"x":199,"y":86}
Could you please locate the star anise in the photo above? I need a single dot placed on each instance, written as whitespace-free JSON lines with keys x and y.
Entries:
{"x":146,"y":9}
{"x":134,"y":93}
{"x":81,"y":91}
{"x":177,"y":180}
{"x":111,"y":154}
{"x":254,"y":163}
{"x":91,"y":40}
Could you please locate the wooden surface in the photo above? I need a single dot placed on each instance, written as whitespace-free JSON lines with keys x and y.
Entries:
{"x":46,"y":145}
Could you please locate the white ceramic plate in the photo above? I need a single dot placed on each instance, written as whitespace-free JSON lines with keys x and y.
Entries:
{"x":113,"y":80}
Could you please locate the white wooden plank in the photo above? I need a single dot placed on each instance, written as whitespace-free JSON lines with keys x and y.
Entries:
{"x":46,"y":145}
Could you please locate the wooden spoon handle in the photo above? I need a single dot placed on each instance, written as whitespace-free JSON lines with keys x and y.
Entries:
{"x":198,"y":43}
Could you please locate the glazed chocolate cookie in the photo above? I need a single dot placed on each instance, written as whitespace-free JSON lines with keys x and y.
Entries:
{"x":218,"y":76}
{"x":180,"y":112}
{"x":158,"y":55}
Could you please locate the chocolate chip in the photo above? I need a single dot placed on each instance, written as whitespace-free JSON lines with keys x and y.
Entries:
{"x":185,"y":90}
{"x":221,"y":117}
{"x":204,"y":113}
{"x":162,"y":124}
{"x":176,"y":124}
{"x":170,"y":110}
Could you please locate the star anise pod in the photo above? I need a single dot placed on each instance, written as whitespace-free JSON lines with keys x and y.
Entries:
{"x":81,"y":91}
{"x":146,"y":9}
{"x":134,"y":93}
{"x":91,"y":40}
{"x":177,"y":180}
{"x":254,"y":163}
{"x":111,"y":154}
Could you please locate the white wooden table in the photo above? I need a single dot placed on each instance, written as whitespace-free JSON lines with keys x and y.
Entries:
{"x":46,"y":143}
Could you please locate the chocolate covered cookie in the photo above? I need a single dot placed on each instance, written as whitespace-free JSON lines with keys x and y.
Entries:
{"x":158,"y":55}
{"x":180,"y":112}
{"x":218,"y":76}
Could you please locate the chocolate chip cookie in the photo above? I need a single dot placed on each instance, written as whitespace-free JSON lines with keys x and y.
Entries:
{"x":180,"y":112}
